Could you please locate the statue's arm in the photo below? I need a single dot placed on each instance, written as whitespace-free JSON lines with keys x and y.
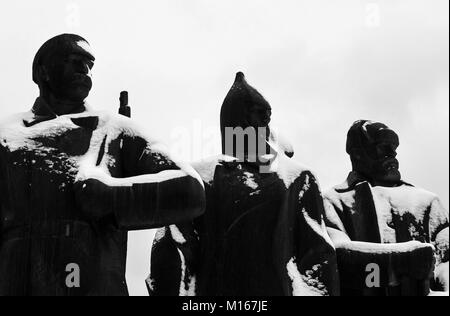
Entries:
{"x":154,"y":192}
{"x":358,"y":259}
{"x":439,"y":235}
{"x":317,"y":256}
{"x":392,"y":262}
{"x":173,"y":266}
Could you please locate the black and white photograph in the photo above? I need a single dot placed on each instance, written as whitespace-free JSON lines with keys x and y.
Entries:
{"x":218,"y":155}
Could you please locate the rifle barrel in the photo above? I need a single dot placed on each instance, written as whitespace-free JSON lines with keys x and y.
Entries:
{"x":124,"y":109}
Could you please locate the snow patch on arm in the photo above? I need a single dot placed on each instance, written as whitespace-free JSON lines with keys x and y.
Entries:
{"x":383,"y":249}
{"x":319,"y":228}
{"x":186,"y":289}
{"x":101,"y":175}
{"x":305,"y":188}
{"x":177,"y":235}
{"x":159,"y":235}
{"x":304,"y":285}
{"x":249,"y":181}
{"x":150,"y":283}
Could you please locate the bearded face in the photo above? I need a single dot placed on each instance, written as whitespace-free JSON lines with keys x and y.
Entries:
{"x":377,"y":156}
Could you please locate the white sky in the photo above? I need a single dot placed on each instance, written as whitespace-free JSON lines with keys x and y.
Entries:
{"x":321,"y":63}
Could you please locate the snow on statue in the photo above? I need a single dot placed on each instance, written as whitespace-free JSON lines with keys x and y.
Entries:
{"x":74,"y":181}
{"x":376,"y":218}
{"x":263,"y":233}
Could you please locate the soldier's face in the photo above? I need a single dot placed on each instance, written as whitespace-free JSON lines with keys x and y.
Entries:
{"x":260,"y":115}
{"x":70,"y":77}
{"x":381,"y":154}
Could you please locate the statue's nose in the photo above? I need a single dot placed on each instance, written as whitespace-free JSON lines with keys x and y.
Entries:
{"x":82,"y":68}
{"x":86,"y":69}
{"x":390,"y":151}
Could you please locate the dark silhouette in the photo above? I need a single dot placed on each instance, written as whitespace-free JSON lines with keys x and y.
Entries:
{"x":124,"y":109}
{"x":73,"y":182}
{"x":375,"y":217}
{"x":262,"y":233}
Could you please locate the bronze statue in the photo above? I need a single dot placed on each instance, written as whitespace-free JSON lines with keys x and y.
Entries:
{"x":262,"y":233}
{"x":74,"y":181}
{"x":376,"y":218}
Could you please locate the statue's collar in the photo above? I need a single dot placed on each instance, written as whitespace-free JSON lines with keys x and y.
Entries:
{"x":355,"y":178}
{"x":42,"y":112}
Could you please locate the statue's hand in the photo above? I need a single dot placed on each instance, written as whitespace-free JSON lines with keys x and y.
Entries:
{"x":94,"y":198}
{"x":416,"y":261}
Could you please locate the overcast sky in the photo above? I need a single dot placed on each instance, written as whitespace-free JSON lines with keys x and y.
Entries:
{"x":322,"y":64}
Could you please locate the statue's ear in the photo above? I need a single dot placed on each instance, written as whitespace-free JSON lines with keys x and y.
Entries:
{"x":356,"y":154}
{"x":43,"y":73}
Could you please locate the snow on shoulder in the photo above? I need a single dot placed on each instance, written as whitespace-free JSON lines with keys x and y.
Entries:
{"x":114,"y":125}
{"x":406,"y":198}
{"x":207,"y":167}
{"x":15,"y":135}
{"x":288,"y":169}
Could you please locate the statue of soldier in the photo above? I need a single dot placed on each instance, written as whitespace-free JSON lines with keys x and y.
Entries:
{"x":263,"y":232}
{"x":392,"y":238}
{"x":73,"y":182}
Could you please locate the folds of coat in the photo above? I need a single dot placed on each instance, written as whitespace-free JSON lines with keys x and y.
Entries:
{"x":407,"y":264}
{"x":301,"y":251}
{"x":44,"y":225}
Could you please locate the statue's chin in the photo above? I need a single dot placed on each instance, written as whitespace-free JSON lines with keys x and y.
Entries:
{"x":78,"y":95}
{"x":391,"y":177}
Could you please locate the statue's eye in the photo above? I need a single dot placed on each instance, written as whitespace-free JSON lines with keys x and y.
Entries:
{"x":67,"y":60}
{"x":386,"y":149}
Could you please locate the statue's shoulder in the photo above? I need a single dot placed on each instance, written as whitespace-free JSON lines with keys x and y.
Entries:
{"x":410,"y":192}
{"x":343,"y":192}
{"x":206,"y":168}
{"x":334,"y":194}
{"x":406,"y":197}
{"x":290,"y":171}
{"x":13,"y":124}
{"x":111,"y":120}
{"x":15,"y":120}
{"x":121,"y":125}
